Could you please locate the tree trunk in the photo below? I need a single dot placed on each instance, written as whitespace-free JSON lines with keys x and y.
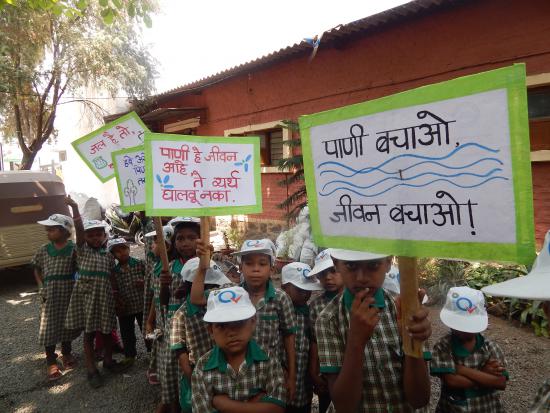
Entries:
{"x":28,"y":159}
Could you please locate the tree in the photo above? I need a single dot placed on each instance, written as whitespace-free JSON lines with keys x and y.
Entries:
{"x":46,"y":55}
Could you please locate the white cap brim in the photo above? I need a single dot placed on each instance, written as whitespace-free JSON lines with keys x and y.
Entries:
{"x":266,"y":251}
{"x":221,"y":315}
{"x":535,"y":286}
{"x":467,"y":324}
{"x":350,"y":255}
{"x":322,"y":266}
{"x":151,"y":234}
{"x":50,"y":223}
{"x":93,"y":226}
{"x":307,"y":286}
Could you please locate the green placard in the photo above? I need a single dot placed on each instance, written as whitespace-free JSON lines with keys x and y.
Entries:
{"x":96,"y":147}
{"x":186,"y":175}
{"x":459,"y":146}
{"x":134,"y":169}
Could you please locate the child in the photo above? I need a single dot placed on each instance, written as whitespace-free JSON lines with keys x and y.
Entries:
{"x":298,"y":283}
{"x":186,"y":234}
{"x":54,"y":269}
{"x":360,"y":328}
{"x":92,"y":305}
{"x":236,"y":375}
{"x":332,"y":284}
{"x":129,"y":273}
{"x":276,"y":325}
{"x":189,"y":336}
{"x":470,"y":366}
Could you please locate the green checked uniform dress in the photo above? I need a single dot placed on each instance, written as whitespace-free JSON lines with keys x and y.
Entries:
{"x":447,"y":353}
{"x":58,"y":268}
{"x":126,"y":278}
{"x":92,"y":306}
{"x":166,"y":358}
{"x":259,"y":373}
{"x":304,"y":390}
{"x":541,"y":404}
{"x":316,"y":306}
{"x":383,"y":365}
{"x":275,"y":319}
{"x":150,"y":261}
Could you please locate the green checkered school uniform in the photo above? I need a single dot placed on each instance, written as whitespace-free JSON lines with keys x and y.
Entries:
{"x":383,"y":366}
{"x":92,"y":306}
{"x":126,"y":278}
{"x":304,"y":390}
{"x":274,"y":319}
{"x":446,"y":354}
{"x":258,"y":373}
{"x":58,"y":267}
{"x":150,"y":261}
{"x":166,"y":358}
{"x":541,"y":404}
{"x":316,"y":306}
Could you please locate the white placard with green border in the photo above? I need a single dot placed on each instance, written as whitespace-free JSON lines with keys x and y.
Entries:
{"x":96,"y":147}
{"x":439,"y":171}
{"x":202,"y":176}
{"x":130,"y":177}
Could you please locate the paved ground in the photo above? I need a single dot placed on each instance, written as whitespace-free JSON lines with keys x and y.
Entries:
{"x":23,"y":388}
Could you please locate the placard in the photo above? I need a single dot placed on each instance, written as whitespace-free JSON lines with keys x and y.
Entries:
{"x":129,"y":166}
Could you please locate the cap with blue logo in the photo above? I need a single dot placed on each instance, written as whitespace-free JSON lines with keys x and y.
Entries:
{"x":214,"y":274}
{"x":228,"y":304}
{"x":114,"y":242}
{"x":257,"y":246}
{"x":58,"y":220}
{"x":323,"y":261}
{"x":464,"y":310}
{"x":299,"y":274}
{"x":94,"y":223}
{"x":182,"y":220}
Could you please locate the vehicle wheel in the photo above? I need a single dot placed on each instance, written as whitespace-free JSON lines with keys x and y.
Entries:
{"x":138,"y":238}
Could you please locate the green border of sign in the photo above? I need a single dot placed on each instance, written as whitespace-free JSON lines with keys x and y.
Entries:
{"x":512,"y":79}
{"x":131,"y":115}
{"x":131,"y":208}
{"x":207,"y":211}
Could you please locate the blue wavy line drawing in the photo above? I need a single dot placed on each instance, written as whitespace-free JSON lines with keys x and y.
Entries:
{"x":369,"y":169}
{"x":395,"y":178}
{"x":413,"y":186}
{"x":412,"y":166}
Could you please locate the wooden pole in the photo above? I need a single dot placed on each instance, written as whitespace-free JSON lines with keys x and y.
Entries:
{"x":409,"y":303}
{"x":205,"y":238}
{"x":164,"y":289}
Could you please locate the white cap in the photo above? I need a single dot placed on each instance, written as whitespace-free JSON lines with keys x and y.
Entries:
{"x":179,"y":220}
{"x":299,"y":274}
{"x":391,"y":282}
{"x":167,"y":231}
{"x":350,"y":255}
{"x":58,"y":220}
{"x":533,"y":286}
{"x":214,"y":274}
{"x":114,"y":242}
{"x":464,"y":310}
{"x":322,"y":262}
{"x":94,"y":223}
{"x":257,"y":246}
{"x":228,"y":304}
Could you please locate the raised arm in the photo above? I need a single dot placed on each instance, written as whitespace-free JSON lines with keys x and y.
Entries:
{"x":197,"y":289}
{"x":78,"y":226}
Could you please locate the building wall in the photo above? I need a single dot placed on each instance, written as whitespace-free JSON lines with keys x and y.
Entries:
{"x":467,"y":38}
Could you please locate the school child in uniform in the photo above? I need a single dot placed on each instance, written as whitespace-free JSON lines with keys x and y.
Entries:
{"x":92,"y":304}
{"x":189,"y":337}
{"x":186,"y":234}
{"x":54,"y":268}
{"x":129,"y":273}
{"x":276,"y":323}
{"x":298,"y":283}
{"x":332,"y":285}
{"x":359,"y":341}
{"x":237,"y":374}
{"x":471,"y":367}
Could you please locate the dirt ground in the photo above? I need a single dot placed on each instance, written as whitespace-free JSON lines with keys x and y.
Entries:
{"x":23,"y":388}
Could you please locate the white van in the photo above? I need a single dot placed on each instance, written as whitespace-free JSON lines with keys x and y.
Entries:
{"x":26,"y":197}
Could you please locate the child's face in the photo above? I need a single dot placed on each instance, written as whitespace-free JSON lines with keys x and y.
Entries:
{"x":463,"y":336}
{"x":360,"y":275}
{"x":95,"y":237}
{"x":256,"y":269}
{"x":232,"y":338}
{"x":56,"y":233}
{"x":121,"y":253}
{"x":331,"y":280}
{"x":296,"y":294}
{"x":185,"y":241}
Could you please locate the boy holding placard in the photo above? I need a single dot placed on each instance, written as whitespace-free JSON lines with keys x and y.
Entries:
{"x":471,"y":367}
{"x":361,"y":328}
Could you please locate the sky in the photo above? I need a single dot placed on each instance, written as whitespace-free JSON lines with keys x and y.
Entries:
{"x":195,"y":39}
